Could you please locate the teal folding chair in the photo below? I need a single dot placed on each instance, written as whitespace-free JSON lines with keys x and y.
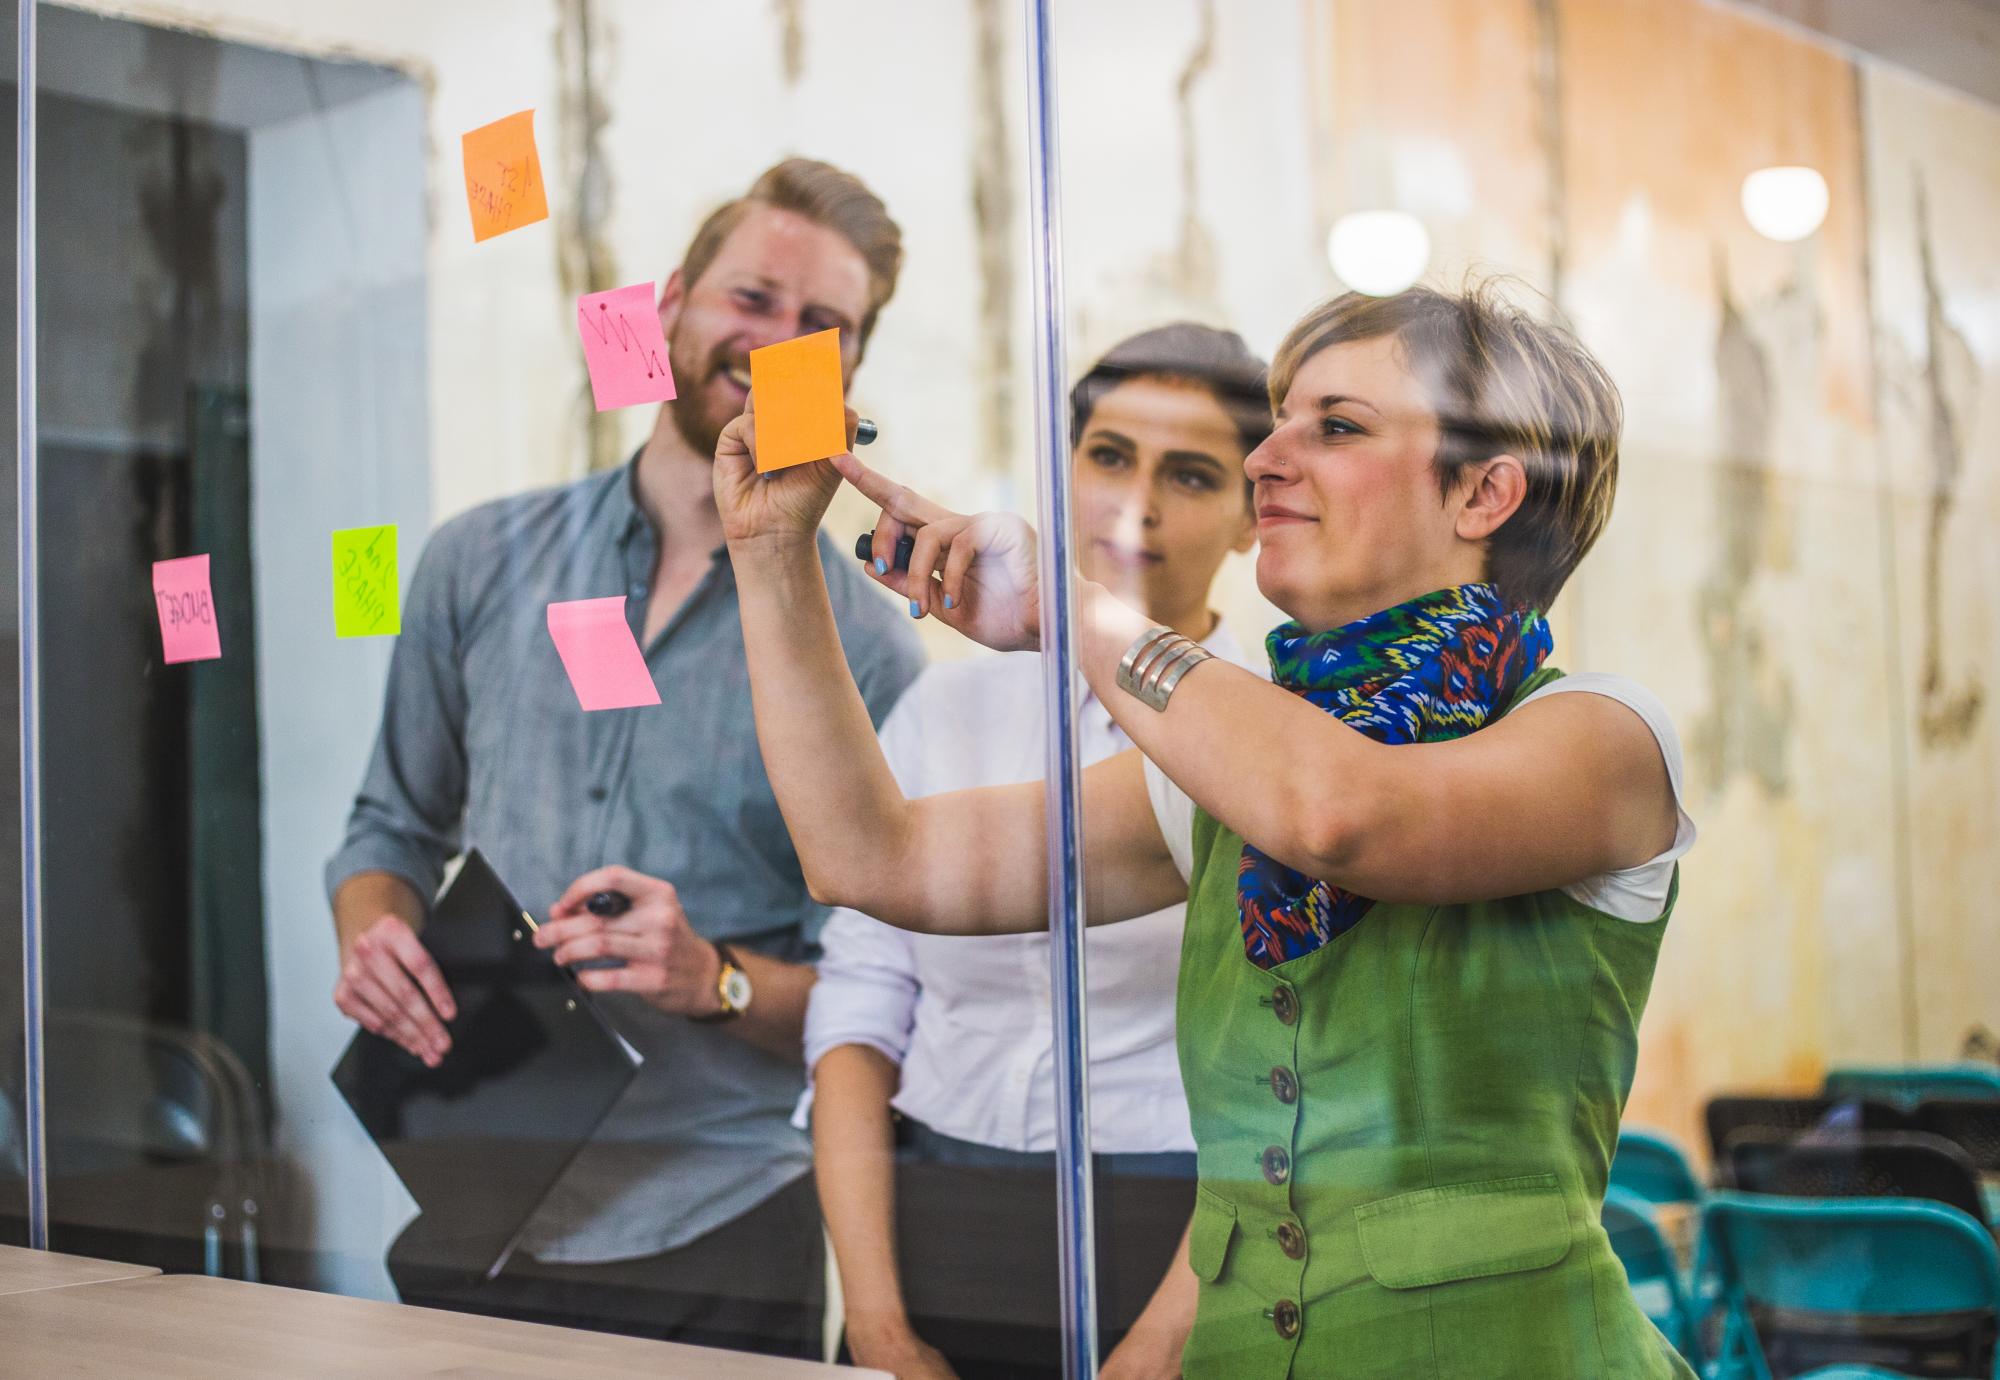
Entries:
{"x":1851,"y":1284}
{"x":1652,"y":1167}
{"x":1907,"y":1085}
{"x":1652,"y":1269}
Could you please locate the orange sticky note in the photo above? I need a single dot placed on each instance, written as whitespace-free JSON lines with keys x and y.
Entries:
{"x":796,"y":398}
{"x":503,"y":176}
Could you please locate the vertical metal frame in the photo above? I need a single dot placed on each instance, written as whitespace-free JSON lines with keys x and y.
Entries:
{"x":1061,"y":775}
{"x":34,"y":1105}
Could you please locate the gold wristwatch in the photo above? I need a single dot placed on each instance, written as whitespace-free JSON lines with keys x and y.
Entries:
{"x":732,"y":988}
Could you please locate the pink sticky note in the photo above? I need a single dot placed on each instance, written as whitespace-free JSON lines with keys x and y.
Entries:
{"x":624,"y":348}
{"x":187,"y":610}
{"x":598,"y":650}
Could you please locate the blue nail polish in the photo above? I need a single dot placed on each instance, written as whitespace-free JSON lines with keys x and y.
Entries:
{"x":948,"y":602}
{"x":915,"y":612}
{"x":881,"y":566}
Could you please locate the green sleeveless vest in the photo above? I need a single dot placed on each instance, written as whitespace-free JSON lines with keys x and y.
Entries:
{"x":1404,"y":1138}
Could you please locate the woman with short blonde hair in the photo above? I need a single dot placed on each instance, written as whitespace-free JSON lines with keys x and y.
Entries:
{"x":1427,"y":875}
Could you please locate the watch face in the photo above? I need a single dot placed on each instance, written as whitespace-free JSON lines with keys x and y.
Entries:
{"x":736,"y":989}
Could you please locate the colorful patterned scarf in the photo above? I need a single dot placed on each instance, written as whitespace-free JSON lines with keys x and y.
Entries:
{"x":1434,"y":668}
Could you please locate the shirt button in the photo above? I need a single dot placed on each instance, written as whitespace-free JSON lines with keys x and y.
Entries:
{"x":599,"y":793}
{"x":1284,"y":1086}
{"x":1285,"y":1318}
{"x":638,"y":588}
{"x":1277,"y":1164}
{"x":1285,"y":1005}
{"x":1292,"y":1240}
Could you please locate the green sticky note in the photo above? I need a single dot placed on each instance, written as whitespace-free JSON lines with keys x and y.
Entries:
{"x":364,"y":583}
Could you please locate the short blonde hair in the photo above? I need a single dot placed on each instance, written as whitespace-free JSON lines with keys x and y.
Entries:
{"x":1502,"y":383}
{"x":824,"y":195}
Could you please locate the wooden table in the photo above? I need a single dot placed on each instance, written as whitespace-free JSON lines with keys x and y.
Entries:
{"x":175,"y":1326}
{"x":23,"y":1271}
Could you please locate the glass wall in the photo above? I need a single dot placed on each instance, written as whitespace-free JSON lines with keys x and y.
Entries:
{"x":13,"y":1063}
{"x":304,"y":288}
{"x":349,"y":405}
{"x":1766,"y":239}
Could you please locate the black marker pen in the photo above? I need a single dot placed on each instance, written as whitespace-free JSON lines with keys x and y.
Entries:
{"x":608,"y":904}
{"x":864,"y":549}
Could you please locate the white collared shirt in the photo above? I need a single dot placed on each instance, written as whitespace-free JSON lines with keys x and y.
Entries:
{"x":968,"y":1018}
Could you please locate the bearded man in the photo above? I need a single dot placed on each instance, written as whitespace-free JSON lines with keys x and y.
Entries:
{"x":690,"y":1215}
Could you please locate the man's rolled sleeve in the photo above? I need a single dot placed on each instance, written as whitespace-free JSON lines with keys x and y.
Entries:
{"x":407,"y":816}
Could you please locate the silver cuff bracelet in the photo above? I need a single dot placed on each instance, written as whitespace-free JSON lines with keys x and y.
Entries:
{"x":1155,"y":663}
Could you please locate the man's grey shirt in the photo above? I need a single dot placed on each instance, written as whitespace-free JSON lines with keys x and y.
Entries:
{"x":483,"y":745}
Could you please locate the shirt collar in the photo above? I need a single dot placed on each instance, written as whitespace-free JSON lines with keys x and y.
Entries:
{"x":621,"y":505}
{"x":628,"y":519}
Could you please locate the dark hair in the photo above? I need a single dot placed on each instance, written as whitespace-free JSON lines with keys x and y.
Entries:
{"x":1213,"y":359}
{"x":824,"y":195}
{"x":1502,"y":383}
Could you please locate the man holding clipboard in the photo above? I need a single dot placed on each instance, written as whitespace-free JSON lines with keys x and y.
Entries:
{"x":690,"y":1214}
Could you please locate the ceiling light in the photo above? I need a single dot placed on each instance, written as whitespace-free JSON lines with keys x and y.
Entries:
{"x":1379,"y":252}
{"x":1784,"y":204}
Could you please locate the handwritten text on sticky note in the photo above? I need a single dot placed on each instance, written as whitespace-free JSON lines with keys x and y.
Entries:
{"x":602,"y":657}
{"x":624,"y":348}
{"x":795,"y":395}
{"x":364,"y":582}
{"x":503,"y":176}
{"x":187,"y":610}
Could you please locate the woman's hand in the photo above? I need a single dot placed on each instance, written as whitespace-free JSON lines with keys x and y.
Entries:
{"x":900,"y":1351}
{"x":1144,"y":1356}
{"x":784,"y":503}
{"x":976,"y":574}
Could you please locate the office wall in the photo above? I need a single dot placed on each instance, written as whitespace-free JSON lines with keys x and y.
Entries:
{"x":339,"y":358}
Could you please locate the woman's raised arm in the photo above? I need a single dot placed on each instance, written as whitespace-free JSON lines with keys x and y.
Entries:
{"x":967,"y":862}
{"x":1562,"y":791}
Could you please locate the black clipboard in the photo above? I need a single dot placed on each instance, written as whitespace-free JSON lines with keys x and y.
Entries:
{"x":534,"y":1066}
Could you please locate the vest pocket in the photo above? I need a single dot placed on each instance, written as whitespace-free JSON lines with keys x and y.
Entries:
{"x":1464,"y":1231}
{"x":1209,"y":1237}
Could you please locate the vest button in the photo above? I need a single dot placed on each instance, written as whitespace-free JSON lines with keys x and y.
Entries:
{"x":1285,"y":1318}
{"x":1292,"y":1240}
{"x":1285,"y":1005}
{"x":1277,"y":1164}
{"x":1283,"y":1085}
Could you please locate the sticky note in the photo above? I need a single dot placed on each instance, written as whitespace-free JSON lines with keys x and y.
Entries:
{"x":364,"y":582}
{"x":503,"y":176}
{"x":796,"y":398}
{"x":597,"y":648}
{"x":624,"y":348}
{"x":187,"y":610}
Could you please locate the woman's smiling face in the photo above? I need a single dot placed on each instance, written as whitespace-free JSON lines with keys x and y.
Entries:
{"x":1160,"y":496}
{"x":1349,"y":513}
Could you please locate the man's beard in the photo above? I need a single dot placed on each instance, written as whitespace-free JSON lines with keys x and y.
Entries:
{"x":693,"y":410}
